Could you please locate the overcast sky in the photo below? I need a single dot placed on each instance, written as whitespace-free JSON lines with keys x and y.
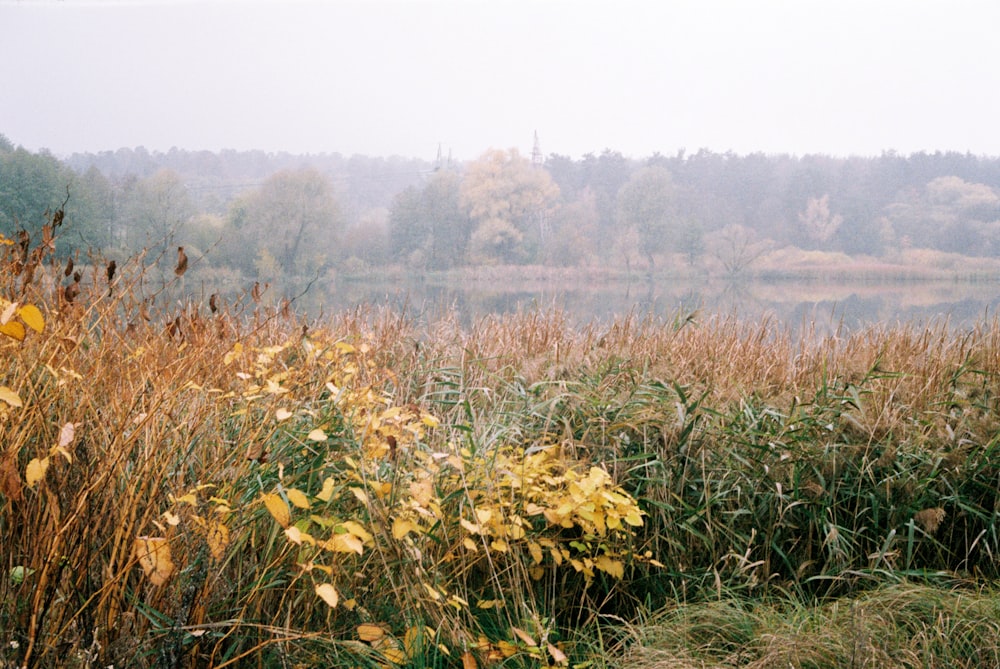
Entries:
{"x":382,"y":77}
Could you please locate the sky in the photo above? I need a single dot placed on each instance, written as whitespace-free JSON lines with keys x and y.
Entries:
{"x":404,"y":77}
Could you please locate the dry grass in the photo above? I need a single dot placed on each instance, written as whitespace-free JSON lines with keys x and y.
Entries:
{"x":899,"y":626}
{"x":768,"y":468}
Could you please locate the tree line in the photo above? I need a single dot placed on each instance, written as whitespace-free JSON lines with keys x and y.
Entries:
{"x":265,"y":215}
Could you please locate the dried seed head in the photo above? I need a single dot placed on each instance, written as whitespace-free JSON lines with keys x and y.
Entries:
{"x":930,"y":519}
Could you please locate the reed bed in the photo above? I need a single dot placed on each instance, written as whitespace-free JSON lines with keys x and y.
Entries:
{"x":191,"y":483}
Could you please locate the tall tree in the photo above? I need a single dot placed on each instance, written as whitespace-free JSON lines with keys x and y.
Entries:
{"x":156,"y":209}
{"x":30,"y":185}
{"x":510,"y":201}
{"x":646,"y":205}
{"x":427,"y":226}
{"x":291,"y":222}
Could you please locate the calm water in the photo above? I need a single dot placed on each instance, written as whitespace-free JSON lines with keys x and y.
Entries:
{"x":824,"y":307}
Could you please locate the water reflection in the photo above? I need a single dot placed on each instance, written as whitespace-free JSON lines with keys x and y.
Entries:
{"x":822,"y":307}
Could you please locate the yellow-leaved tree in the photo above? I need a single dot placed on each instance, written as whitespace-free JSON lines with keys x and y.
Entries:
{"x":510,"y":201}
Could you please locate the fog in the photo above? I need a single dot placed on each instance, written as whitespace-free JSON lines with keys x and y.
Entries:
{"x":382,"y":78}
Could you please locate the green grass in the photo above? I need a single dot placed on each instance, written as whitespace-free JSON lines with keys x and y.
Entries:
{"x":816,"y":502}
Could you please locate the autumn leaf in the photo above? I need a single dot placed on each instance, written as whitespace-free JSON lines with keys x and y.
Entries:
{"x":614,"y":568}
{"x":326,"y":493}
{"x":282,"y":414}
{"x":489,"y":604}
{"x":395,"y":655}
{"x":506,"y":648}
{"x":13,"y":329}
{"x":35,"y":471}
{"x":344,"y":543}
{"x":370,"y":632}
{"x":10,"y":397}
{"x":558,"y":656}
{"x":182,"y":262}
{"x":402,"y":527}
{"x":8,"y":312}
{"x":10,"y":482}
{"x":66,"y":435}
{"x":218,"y":539}
{"x":297,"y":498}
{"x":153,"y":554}
{"x":523,"y":636}
{"x":32,"y":317}
{"x":278,"y":509}
{"x":297,"y":536}
{"x":328,"y":594}
{"x":357,"y":529}
{"x":317,"y":435}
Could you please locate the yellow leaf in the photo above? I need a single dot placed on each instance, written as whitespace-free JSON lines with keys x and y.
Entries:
{"x":233,"y":354}
{"x":536,"y":552}
{"x":507,"y":649}
{"x":614,"y":568}
{"x":218,"y":539}
{"x":66,"y":435}
{"x":13,"y":329}
{"x":370,"y":632}
{"x":499,"y":545}
{"x":344,"y":543}
{"x":317,"y":435}
{"x":35,"y":471}
{"x":10,"y":397}
{"x":394,"y":655}
{"x":432,"y":591}
{"x":533,"y":509}
{"x":401,"y":527}
{"x":422,"y":491}
{"x":471,"y":528}
{"x":634,"y":518}
{"x":282,"y":414}
{"x":326,"y":493}
{"x":274,"y":388}
{"x":298,"y":498}
{"x":470,"y":544}
{"x":361,"y":495}
{"x":295,"y":535}
{"x":153,"y":554}
{"x":489,"y":604}
{"x":357,"y":529}
{"x":328,"y":594}
{"x":278,"y":509}
{"x":469,"y":660}
{"x":189,"y":498}
{"x":416,"y":638}
{"x":172,"y":518}
{"x":32,"y":317}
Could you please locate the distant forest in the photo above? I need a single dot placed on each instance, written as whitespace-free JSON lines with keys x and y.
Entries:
{"x":264,"y":216}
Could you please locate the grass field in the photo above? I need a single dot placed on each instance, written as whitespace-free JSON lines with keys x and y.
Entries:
{"x":187,"y":483}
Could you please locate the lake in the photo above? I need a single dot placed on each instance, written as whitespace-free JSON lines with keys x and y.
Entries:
{"x":796,"y":305}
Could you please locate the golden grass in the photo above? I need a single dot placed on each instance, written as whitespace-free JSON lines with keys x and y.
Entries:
{"x":763,"y":463}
